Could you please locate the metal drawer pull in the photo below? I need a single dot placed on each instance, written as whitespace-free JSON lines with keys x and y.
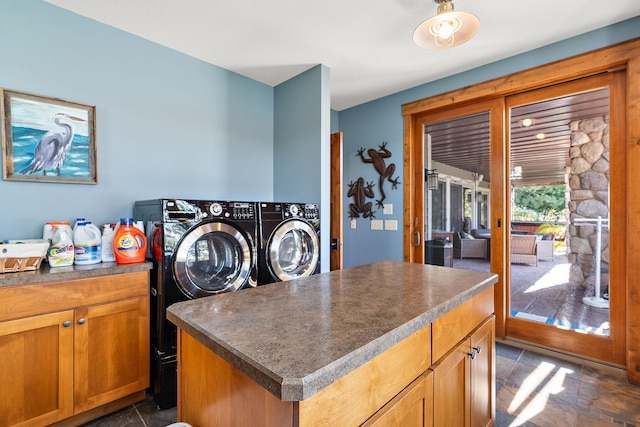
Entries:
{"x":66,"y":323}
{"x":81,"y":321}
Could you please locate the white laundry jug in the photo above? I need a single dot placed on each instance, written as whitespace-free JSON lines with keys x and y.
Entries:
{"x":108,"y":234}
{"x":61,"y":251}
{"x":87,"y":242}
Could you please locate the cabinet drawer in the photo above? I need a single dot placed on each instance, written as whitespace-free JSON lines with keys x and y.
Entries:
{"x":353,"y":398}
{"x":30,"y":300}
{"x":454,"y":326}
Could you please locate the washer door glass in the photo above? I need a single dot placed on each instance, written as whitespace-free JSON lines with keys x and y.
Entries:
{"x":212,"y":258}
{"x":293,"y":250}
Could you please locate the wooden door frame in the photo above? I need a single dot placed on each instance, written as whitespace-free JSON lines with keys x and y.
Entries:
{"x":620,"y":56}
{"x":336,"y":227}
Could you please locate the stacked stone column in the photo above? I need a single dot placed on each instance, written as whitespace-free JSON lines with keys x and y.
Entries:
{"x":588,"y":185}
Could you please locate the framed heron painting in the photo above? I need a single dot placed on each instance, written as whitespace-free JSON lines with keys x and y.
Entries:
{"x":47,"y":139}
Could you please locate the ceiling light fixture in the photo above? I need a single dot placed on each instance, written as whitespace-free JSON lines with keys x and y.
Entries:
{"x":528,"y":122}
{"x":446,"y":29}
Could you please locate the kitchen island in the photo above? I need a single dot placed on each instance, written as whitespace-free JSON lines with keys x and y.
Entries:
{"x":388,"y":343}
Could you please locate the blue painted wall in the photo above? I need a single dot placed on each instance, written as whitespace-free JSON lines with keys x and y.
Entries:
{"x":369,"y":124}
{"x":168,"y":125}
{"x":301,"y":162}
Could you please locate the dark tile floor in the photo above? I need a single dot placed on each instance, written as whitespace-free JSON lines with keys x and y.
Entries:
{"x":142,"y":414}
{"x":535,"y":389}
{"x":532,"y":389}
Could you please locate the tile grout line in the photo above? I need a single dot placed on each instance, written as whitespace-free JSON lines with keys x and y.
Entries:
{"x":140,"y":415}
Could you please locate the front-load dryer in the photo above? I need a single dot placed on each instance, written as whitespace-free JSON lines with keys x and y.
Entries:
{"x":199,"y":248}
{"x":290,"y":241}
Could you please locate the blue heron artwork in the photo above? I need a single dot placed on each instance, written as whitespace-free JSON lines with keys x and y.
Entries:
{"x":50,"y":141}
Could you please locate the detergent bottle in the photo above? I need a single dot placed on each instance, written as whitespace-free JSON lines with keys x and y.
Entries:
{"x":129,"y":244}
{"x":61,"y":253}
{"x":108,"y":234}
{"x":87,"y":241}
{"x":50,"y":227}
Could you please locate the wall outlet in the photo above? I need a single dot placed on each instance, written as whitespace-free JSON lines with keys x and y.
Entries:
{"x":391,"y":224}
{"x":353,"y":223}
{"x":376,"y":224}
{"x":387,"y":209}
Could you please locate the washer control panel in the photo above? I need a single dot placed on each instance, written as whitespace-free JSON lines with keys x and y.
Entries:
{"x":302,"y":210}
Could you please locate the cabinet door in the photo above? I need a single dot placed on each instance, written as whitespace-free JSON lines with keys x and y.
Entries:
{"x":451,"y":388}
{"x":111,"y":352}
{"x":36,"y":368}
{"x":482,"y":375}
{"x":411,"y":408}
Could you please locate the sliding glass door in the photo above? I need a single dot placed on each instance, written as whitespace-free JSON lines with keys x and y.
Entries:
{"x":563,"y":290}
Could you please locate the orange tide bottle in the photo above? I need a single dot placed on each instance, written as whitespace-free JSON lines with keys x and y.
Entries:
{"x":129,"y":243}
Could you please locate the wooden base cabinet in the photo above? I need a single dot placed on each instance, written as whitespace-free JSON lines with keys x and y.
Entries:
{"x":464,"y":384}
{"x":73,"y":348}
{"x":393,"y":389}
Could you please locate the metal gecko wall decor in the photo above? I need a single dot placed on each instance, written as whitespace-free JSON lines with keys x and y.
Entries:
{"x":360,"y":191}
{"x":377,"y":158}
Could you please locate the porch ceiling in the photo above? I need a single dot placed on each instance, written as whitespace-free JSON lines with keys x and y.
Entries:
{"x":464,"y":142}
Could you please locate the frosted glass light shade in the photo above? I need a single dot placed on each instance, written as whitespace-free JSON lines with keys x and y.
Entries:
{"x":446,"y":29}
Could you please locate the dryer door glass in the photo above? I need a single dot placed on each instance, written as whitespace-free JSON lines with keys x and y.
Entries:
{"x":214,"y":257}
{"x":293,"y":250}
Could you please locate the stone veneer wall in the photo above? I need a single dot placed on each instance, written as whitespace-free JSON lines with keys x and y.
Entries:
{"x":588,"y":182}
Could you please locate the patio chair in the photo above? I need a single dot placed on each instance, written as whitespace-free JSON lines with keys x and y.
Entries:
{"x":468,"y":248}
{"x":524,"y":249}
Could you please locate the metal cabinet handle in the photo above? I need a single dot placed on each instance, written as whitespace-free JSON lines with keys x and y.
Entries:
{"x":82,"y":321}
{"x":472,"y":355}
{"x":477,"y":349}
{"x":66,"y":323}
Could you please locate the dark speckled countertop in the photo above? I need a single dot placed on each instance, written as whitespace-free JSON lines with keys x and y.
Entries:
{"x":295,"y":338}
{"x":47,"y":274}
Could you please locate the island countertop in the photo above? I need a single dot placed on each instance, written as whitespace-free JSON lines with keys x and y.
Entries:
{"x":297,"y":337}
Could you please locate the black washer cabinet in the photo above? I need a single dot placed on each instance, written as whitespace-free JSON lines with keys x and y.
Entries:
{"x":206,"y":248}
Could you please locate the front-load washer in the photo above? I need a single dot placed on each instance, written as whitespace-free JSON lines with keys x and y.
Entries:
{"x":199,"y":248}
{"x":289,"y":241}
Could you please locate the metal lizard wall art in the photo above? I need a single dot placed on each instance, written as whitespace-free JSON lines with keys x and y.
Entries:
{"x":386,"y":172}
{"x":360,"y":191}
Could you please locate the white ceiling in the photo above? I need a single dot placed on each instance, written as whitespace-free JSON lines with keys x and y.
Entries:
{"x":367,"y":44}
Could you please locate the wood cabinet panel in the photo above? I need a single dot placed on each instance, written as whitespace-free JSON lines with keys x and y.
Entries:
{"x":36,"y":367}
{"x":112,"y":352}
{"x":452,"y":388}
{"x":455,"y":325}
{"x":370,"y":386}
{"x":411,"y":408}
{"x":464,"y":381}
{"x":483,"y":384}
{"x":29,"y":300}
{"x":214,"y":393}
